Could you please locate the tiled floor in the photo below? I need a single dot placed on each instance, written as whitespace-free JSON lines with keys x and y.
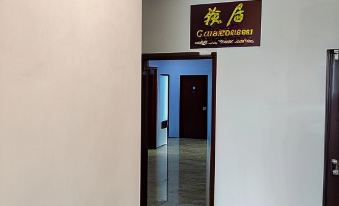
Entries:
{"x":177,"y":173}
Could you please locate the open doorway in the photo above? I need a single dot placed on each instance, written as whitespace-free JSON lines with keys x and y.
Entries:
{"x":178,"y":148}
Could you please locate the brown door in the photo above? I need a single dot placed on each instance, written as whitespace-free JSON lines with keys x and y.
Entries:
{"x":193,"y":106}
{"x":331,"y":189}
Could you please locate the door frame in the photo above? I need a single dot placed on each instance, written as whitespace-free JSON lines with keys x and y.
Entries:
{"x":144,"y":152}
{"x":168,"y":101}
{"x":329,"y":74}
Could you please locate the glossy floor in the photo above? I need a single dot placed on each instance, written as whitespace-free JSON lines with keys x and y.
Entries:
{"x":177,"y":173}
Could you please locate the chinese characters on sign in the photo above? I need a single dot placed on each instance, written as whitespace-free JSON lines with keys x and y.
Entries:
{"x":233,"y":24}
{"x":212,"y":17}
{"x":237,"y":15}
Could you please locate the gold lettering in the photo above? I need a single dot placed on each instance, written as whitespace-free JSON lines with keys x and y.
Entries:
{"x":251,"y":33}
{"x":208,"y":33}
{"x":237,"y":15}
{"x":199,"y":33}
{"x":212,"y":17}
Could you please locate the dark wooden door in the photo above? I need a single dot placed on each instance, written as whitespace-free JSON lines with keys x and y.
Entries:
{"x":331,"y":190}
{"x":149,"y":106}
{"x":193,"y":106}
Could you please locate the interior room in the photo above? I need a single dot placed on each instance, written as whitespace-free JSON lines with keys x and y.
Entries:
{"x":178,"y":164}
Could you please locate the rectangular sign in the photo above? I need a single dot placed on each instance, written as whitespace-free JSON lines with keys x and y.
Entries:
{"x":232,"y":24}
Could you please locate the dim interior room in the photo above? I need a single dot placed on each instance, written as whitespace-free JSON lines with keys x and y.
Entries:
{"x":175,"y":69}
{"x":176,"y":159}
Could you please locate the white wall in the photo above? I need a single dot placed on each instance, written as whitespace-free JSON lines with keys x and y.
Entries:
{"x":270,"y":99}
{"x":162,"y":109}
{"x":69,"y":102}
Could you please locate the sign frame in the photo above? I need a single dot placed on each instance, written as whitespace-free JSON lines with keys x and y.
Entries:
{"x":230,"y":24}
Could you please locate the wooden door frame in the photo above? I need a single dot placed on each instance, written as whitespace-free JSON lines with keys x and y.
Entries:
{"x":329,"y":74}
{"x":144,"y":153}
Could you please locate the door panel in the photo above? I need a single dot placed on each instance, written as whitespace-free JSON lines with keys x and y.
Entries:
{"x":149,"y":115}
{"x":331,"y":194}
{"x":193,"y":106}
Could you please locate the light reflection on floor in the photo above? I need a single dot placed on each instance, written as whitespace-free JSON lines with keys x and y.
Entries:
{"x":177,"y":173}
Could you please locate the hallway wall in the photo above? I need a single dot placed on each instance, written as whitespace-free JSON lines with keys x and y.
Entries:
{"x":270,"y":99}
{"x":70,"y":102}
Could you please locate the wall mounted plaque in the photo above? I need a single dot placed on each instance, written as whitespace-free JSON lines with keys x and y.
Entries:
{"x":231,"y":24}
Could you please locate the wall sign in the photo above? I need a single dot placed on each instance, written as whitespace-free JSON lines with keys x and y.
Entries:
{"x":232,"y":24}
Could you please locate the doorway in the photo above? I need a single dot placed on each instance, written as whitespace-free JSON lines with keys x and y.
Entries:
{"x":177,"y":148}
{"x":331,"y":175}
